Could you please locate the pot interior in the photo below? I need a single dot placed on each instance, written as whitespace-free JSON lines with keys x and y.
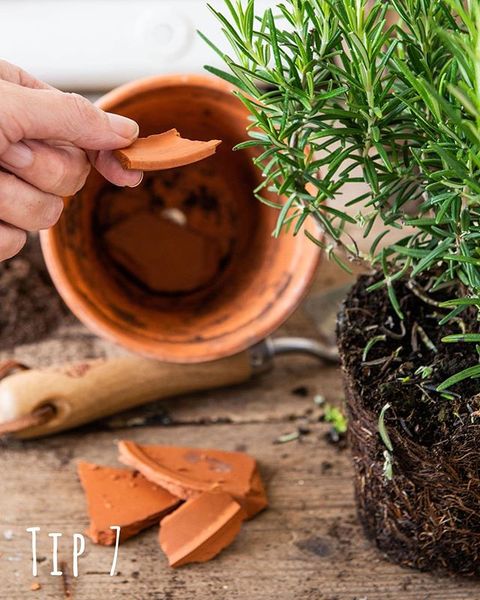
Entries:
{"x":182,"y":267}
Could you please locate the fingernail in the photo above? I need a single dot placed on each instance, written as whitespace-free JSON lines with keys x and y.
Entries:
{"x":138,"y":182}
{"x":123,"y":126}
{"x":18,"y":156}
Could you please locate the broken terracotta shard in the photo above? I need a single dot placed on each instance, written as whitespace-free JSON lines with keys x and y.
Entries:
{"x":164,"y":151}
{"x":200,"y":528}
{"x":256,"y":499}
{"x":187,"y":472}
{"x":124,"y":498}
{"x":134,"y":244}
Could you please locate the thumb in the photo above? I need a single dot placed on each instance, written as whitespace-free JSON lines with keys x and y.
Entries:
{"x":49,"y":114}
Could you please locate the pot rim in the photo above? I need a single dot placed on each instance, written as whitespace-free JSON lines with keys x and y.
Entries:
{"x":308,"y":256}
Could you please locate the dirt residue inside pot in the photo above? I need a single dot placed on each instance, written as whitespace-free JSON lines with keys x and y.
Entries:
{"x":427,"y":515}
{"x":30,"y":306}
{"x":173,"y":235}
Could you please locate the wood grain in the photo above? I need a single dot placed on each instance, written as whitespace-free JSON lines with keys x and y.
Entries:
{"x":307,"y":545}
{"x":88,"y":390}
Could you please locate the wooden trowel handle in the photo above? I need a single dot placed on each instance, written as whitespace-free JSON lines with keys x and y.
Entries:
{"x":84,"y":391}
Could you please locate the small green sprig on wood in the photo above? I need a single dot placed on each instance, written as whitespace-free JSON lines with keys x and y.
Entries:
{"x":336,"y":418}
{"x":339,"y":92}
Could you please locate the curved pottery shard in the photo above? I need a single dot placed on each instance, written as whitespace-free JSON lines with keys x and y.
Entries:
{"x":121,"y":497}
{"x":164,"y":151}
{"x":187,"y":472}
{"x":200,"y":528}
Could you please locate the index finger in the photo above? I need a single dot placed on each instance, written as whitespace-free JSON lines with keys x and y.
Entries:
{"x":41,"y":114}
{"x":14,"y":74}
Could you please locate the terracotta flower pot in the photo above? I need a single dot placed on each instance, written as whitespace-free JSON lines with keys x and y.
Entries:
{"x":184,"y":267}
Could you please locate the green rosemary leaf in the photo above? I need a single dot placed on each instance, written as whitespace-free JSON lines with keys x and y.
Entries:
{"x":464,"y":259}
{"x":414,"y":252}
{"x":458,"y":377}
{"x":215,"y":48}
{"x":227,"y":77}
{"x":283,"y":213}
{"x":461,"y":302}
{"x":330,"y":87}
{"x":428,"y":260}
{"x":462,"y":337}
{"x":338,"y":213}
{"x":382,"y":430}
{"x":371,"y":342}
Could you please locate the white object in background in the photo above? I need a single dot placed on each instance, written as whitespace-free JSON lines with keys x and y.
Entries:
{"x":98,"y":44}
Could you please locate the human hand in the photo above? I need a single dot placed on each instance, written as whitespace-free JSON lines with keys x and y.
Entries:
{"x":48,"y":142}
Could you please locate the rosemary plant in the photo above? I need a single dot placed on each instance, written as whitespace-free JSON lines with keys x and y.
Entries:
{"x":387,"y":88}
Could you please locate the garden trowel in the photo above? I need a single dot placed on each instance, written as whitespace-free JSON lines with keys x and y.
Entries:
{"x":39,"y":402}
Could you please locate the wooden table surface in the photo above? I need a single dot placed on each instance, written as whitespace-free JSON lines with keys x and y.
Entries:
{"x":307,"y":545}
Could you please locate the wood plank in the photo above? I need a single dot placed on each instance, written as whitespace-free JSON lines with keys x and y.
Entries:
{"x":308,"y":544}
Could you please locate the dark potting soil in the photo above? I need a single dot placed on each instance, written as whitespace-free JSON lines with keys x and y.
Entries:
{"x":389,"y":372}
{"x":30,"y":307}
{"x":427,"y":515}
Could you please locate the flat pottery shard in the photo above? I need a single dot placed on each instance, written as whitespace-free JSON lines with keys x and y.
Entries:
{"x":148,"y":247}
{"x":164,"y":151}
{"x":121,"y":497}
{"x":256,"y":499}
{"x":200,"y":528}
{"x":187,"y":472}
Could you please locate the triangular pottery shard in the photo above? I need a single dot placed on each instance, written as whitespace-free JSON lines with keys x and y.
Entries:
{"x":164,"y":151}
{"x":124,"y":498}
{"x":200,"y":528}
{"x":187,"y":472}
